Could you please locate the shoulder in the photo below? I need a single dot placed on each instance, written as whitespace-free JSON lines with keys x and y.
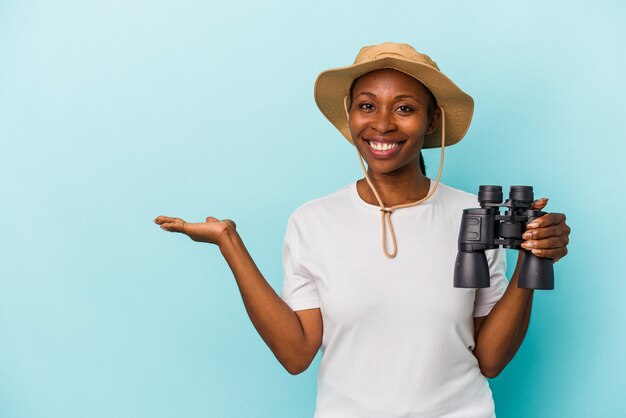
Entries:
{"x":455,"y":198}
{"x":330,"y":205}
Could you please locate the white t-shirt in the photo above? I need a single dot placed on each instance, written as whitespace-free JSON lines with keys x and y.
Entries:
{"x":398,"y":336}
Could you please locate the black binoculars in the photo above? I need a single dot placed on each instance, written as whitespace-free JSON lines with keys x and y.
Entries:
{"x":486,"y":228}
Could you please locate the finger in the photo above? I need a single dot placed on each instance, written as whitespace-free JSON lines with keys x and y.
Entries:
{"x":554,"y":254}
{"x":547,"y":220}
{"x":163,"y":219}
{"x":548,"y":243}
{"x":547,"y":232}
{"x":212,"y":219}
{"x":174,"y":226}
{"x":540,"y":203}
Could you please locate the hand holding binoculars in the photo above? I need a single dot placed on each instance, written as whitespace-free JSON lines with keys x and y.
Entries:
{"x":486,"y":228}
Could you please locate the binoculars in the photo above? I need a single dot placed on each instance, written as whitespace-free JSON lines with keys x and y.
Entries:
{"x":486,"y":228}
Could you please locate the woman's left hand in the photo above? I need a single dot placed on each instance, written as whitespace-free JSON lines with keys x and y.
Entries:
{"x":548,"y":235}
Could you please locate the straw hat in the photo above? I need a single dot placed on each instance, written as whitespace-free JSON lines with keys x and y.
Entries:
{"x":332,"y":87}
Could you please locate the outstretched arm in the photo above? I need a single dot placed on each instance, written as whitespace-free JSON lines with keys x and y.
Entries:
{"x":499,"y":335}
{"x":293,"y":337}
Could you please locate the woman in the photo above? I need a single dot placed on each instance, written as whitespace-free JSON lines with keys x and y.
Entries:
{"x":398,"y":339}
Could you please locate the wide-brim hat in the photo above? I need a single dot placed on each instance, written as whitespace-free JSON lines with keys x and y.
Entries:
{"x":332,"y":87}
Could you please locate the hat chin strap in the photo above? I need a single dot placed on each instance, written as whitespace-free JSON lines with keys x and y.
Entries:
{"x":386,"y":212}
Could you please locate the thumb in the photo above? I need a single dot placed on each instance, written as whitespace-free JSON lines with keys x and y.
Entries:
{"x":231,"y":222}
{"x":212,"y":219}
{"x":540,"y":203}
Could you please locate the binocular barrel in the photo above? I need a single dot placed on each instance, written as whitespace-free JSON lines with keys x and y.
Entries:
{"x":485,"y":228}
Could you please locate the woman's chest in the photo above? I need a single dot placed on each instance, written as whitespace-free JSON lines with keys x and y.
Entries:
{"x":357,"y":283}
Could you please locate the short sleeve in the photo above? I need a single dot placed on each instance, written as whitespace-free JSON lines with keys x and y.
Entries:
{"x":487,"y":297}
{"x":299,"y":289}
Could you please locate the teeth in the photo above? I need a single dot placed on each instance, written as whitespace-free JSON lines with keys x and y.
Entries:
{"x":379,"y":146}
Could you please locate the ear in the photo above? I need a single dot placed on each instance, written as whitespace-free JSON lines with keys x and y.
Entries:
{"x":434,"y":121}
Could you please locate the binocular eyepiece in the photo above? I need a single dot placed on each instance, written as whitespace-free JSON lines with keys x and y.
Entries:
{"x":486,"y":228}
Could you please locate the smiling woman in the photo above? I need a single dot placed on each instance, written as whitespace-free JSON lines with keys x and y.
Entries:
{"x":432,"y":109}
{"x":389,"y":114}
{"x":398,"y":339}
{"x":392,"y":115}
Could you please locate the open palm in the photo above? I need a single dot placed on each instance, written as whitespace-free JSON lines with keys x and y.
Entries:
{"x":209,"y":231}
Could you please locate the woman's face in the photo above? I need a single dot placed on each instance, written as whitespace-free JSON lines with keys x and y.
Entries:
{"x":389,"y":119}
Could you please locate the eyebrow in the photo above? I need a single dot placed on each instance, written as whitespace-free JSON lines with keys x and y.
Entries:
{"x":399,"y":97}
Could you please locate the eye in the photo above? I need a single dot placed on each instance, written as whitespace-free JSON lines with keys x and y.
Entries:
{"x":366,"y":106}
{"x":405,"y":109}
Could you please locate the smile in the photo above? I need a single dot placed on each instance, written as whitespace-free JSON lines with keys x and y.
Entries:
{"x":383,"y":148}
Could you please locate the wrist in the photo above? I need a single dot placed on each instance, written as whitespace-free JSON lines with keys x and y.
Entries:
{"x":227,"y":236}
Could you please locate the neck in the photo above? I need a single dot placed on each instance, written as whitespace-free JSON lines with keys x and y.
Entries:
{"x":396,"y":188}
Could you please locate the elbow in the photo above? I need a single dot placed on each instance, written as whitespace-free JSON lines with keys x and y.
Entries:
{"x":296,"y":365}
{"x":490,"y":365}
{"x":490,"y":370}
{"x":490,"y":373}
{"x":295,"y":369}
{"x":297,"y":361}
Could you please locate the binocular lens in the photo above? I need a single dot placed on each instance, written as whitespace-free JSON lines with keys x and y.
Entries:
{"x":490,"y":194}
{"x":471,"y":270}
{"x":522,"y":193}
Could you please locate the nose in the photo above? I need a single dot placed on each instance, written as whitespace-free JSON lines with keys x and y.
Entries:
{"x":383,"y":121}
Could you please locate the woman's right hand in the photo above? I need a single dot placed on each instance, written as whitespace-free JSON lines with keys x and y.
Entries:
{"x":209,"y":231}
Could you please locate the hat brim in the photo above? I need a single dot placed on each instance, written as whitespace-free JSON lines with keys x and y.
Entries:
{"x":332,"y":86}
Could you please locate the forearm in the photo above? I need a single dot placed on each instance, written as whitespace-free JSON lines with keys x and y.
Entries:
{"x":504,"y":329}
{"x":275,"y":321}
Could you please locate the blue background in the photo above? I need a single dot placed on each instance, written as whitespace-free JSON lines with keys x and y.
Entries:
{"x":114,"y":112}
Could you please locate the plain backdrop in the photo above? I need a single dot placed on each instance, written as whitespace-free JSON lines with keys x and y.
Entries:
{"x":113,"y":112}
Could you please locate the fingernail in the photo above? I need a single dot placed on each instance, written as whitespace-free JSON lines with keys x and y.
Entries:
{"x":532,"y":225}
{"x":537,"y":251}
{"x":527,"y":235}
{"x":528,"y":244}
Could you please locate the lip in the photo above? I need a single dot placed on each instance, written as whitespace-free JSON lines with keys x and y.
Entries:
{"x":383,"y":154}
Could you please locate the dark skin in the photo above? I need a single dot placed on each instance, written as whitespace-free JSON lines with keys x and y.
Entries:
{"x":389,"y":108}
{"x":392,"y":111}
